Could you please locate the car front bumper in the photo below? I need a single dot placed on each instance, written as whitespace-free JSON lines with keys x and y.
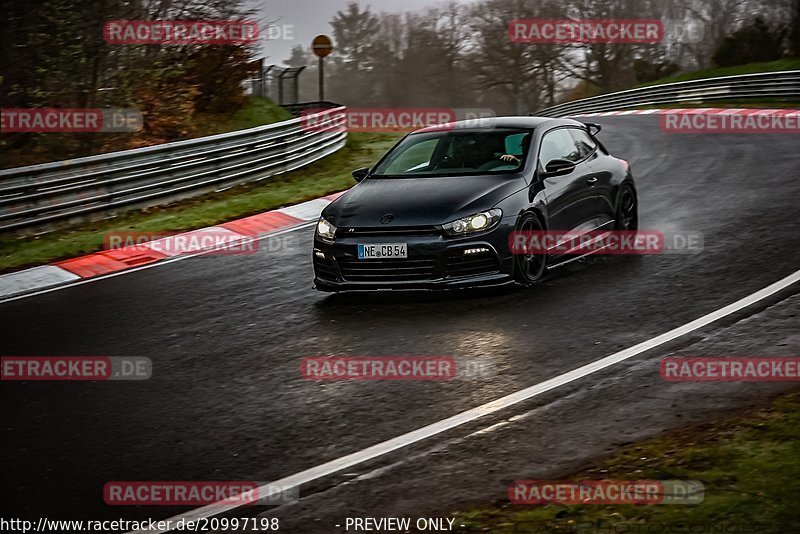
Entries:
{"x":434,"y":262}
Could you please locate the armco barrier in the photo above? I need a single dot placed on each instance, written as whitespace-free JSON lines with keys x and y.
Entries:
{"x":41,"y":197}
{"x":306,"y":107}
{"x":779,"y":86}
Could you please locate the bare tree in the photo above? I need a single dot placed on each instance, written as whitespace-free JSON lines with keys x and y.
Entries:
{"x":718,"y":18}
{"x":525,"y":74}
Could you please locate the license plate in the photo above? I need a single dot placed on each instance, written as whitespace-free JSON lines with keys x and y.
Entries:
{"x":383,"y":251}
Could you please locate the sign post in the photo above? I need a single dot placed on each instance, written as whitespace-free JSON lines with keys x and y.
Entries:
{"x":322,"y":46}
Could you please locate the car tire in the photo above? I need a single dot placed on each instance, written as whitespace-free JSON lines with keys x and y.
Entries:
{"x":529,"y":269}
{"x":626,"y":218}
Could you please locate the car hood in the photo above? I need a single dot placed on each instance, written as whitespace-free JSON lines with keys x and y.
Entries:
{"x":419,"y":201}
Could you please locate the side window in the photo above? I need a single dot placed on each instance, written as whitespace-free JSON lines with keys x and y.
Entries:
{"x":558,"y":144}
{"x":586,"y":145}
{"x":514,"y":144}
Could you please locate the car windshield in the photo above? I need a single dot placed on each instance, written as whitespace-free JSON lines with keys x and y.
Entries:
{"x":457,"y":153}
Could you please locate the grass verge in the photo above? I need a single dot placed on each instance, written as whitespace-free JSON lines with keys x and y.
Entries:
{"x":257,"y":112}
{"x":749,"y":465}
{"x":323,"y":177}
{"x":750,"y":68}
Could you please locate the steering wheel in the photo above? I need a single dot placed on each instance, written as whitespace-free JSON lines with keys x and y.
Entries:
{"x":447,"y":162}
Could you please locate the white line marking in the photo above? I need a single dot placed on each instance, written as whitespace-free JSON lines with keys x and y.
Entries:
{"x":152,"y":265}
{"x":306,"y":211}
{"x":35,"y":278}
{"x":425,"y":432}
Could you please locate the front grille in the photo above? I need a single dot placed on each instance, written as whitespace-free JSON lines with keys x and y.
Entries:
{"x":399,"y":231}
{"x":325,"y":269}
{"x":460,"y":264}
{"x":388,"y":270}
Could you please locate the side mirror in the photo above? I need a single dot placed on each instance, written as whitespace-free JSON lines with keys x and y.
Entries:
{"x":593,"y":128}
{"x":558,"y":167}
{"x":360,"y":174}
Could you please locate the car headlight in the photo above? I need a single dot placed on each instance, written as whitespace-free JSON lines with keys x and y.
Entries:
{"x":479,"y":222}
{"x":325,"y":230}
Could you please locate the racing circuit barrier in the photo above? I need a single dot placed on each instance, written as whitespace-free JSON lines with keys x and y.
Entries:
{"x":304,"y":107}
{"x":778,"y":86}
{"x":41,"y":197}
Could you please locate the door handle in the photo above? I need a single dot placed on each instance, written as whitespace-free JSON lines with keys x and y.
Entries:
{"x":591,"y":181}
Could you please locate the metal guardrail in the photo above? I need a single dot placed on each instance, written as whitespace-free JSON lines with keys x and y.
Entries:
{"x":41,"y":197}
{"x":308,"y":107}
{"x":781,"y":86}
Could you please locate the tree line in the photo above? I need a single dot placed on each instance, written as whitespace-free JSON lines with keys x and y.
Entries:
{"x":53,"y":54}
{"x":460,"y":55}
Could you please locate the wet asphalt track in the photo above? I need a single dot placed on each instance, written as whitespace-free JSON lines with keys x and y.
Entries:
{"x":226,"y":334}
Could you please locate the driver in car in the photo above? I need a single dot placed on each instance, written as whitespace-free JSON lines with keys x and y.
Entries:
{"x":523,"y":148}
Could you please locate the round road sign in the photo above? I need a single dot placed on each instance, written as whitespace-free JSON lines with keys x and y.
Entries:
{"x":322,"y":45}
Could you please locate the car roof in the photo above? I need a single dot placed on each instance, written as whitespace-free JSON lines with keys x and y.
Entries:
{"x":489,"y":123}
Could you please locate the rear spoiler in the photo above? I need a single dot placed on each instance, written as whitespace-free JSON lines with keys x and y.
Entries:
{"x":593,"y":126}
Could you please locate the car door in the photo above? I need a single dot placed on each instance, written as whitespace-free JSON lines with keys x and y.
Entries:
{"x":571,"y":198}
{"x":602,"y":176}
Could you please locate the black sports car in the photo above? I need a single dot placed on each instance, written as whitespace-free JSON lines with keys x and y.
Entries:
{"x":438,"y":209}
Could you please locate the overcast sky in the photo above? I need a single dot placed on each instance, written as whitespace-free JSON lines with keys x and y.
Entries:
{"x":311,"y":18}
